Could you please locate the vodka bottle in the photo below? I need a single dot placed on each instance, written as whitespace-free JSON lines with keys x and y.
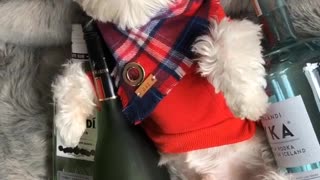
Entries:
{"x":123,"y":152}
{"x":292,"y":122}
{"x":78,"y":162}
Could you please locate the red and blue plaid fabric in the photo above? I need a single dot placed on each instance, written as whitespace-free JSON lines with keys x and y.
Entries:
{"x":162,"y":47}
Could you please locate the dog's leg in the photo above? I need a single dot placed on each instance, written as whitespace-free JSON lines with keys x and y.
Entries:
{"x":74,"y":99}
{"x":178,"y":168}
{"x":231,"y":59}
{"x":248,"y":160}
{"x":208,"y":177}
{"x":255,"y":157}
{"x":271,"y":172}
{"x":174,"y":175}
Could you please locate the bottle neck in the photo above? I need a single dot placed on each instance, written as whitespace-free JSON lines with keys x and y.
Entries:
{"x":99,"y":57}
{"x":276,"y":23}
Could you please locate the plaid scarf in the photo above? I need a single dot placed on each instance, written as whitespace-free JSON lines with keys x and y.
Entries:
{"x":162,"y":48}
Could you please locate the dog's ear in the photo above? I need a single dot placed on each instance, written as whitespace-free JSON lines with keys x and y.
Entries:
{"x":34,"y":22}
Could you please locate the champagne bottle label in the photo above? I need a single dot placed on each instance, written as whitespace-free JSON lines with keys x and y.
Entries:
{"x":72,"y":176}
{"x":291,"y":134}
{"x":86,"y":147}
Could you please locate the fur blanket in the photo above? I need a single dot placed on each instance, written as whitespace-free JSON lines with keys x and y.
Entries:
{"x":33,"y":36}
{"x":305,"y":14}
{"x":34,"y":41}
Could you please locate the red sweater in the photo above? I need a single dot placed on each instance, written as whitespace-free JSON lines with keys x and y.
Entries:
{"x":191,"y":116}
{"x":194,"y":117}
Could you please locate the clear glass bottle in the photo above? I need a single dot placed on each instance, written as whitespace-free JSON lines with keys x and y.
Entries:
{"x":77,"y":163}
{"x":292,"y":122}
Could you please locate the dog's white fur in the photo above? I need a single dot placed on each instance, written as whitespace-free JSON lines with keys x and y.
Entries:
{"x":229,"y":56}
{"x":69,"y":121}
{"x":231,"y":60}
{"x":248,"y":160}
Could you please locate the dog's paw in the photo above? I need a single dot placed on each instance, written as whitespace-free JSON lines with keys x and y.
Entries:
{"x":252,"y":106}
{"x":70,"y":130}
{"x":74,"y":98}
{"x":230,"y":57}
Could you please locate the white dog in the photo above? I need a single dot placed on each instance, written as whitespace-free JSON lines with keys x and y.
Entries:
{"x":229,"y":57}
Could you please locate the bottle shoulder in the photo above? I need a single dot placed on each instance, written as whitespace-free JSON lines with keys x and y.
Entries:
{"x":304,"y":45}
{"x":294,"y":54}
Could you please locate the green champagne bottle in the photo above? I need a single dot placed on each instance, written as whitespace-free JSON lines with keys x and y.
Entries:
{"x":78,"y":162}
{"x":292,"y":122}
{"x":123,"y":151}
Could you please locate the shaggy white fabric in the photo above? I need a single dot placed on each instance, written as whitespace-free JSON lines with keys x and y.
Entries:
{"x":25,"y":111}
{"x":28,"y":62}
{"x":74,"y":96}
{"x":34,"y":22}
{"x":231,"y":59}
{"x":305,"y":15}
